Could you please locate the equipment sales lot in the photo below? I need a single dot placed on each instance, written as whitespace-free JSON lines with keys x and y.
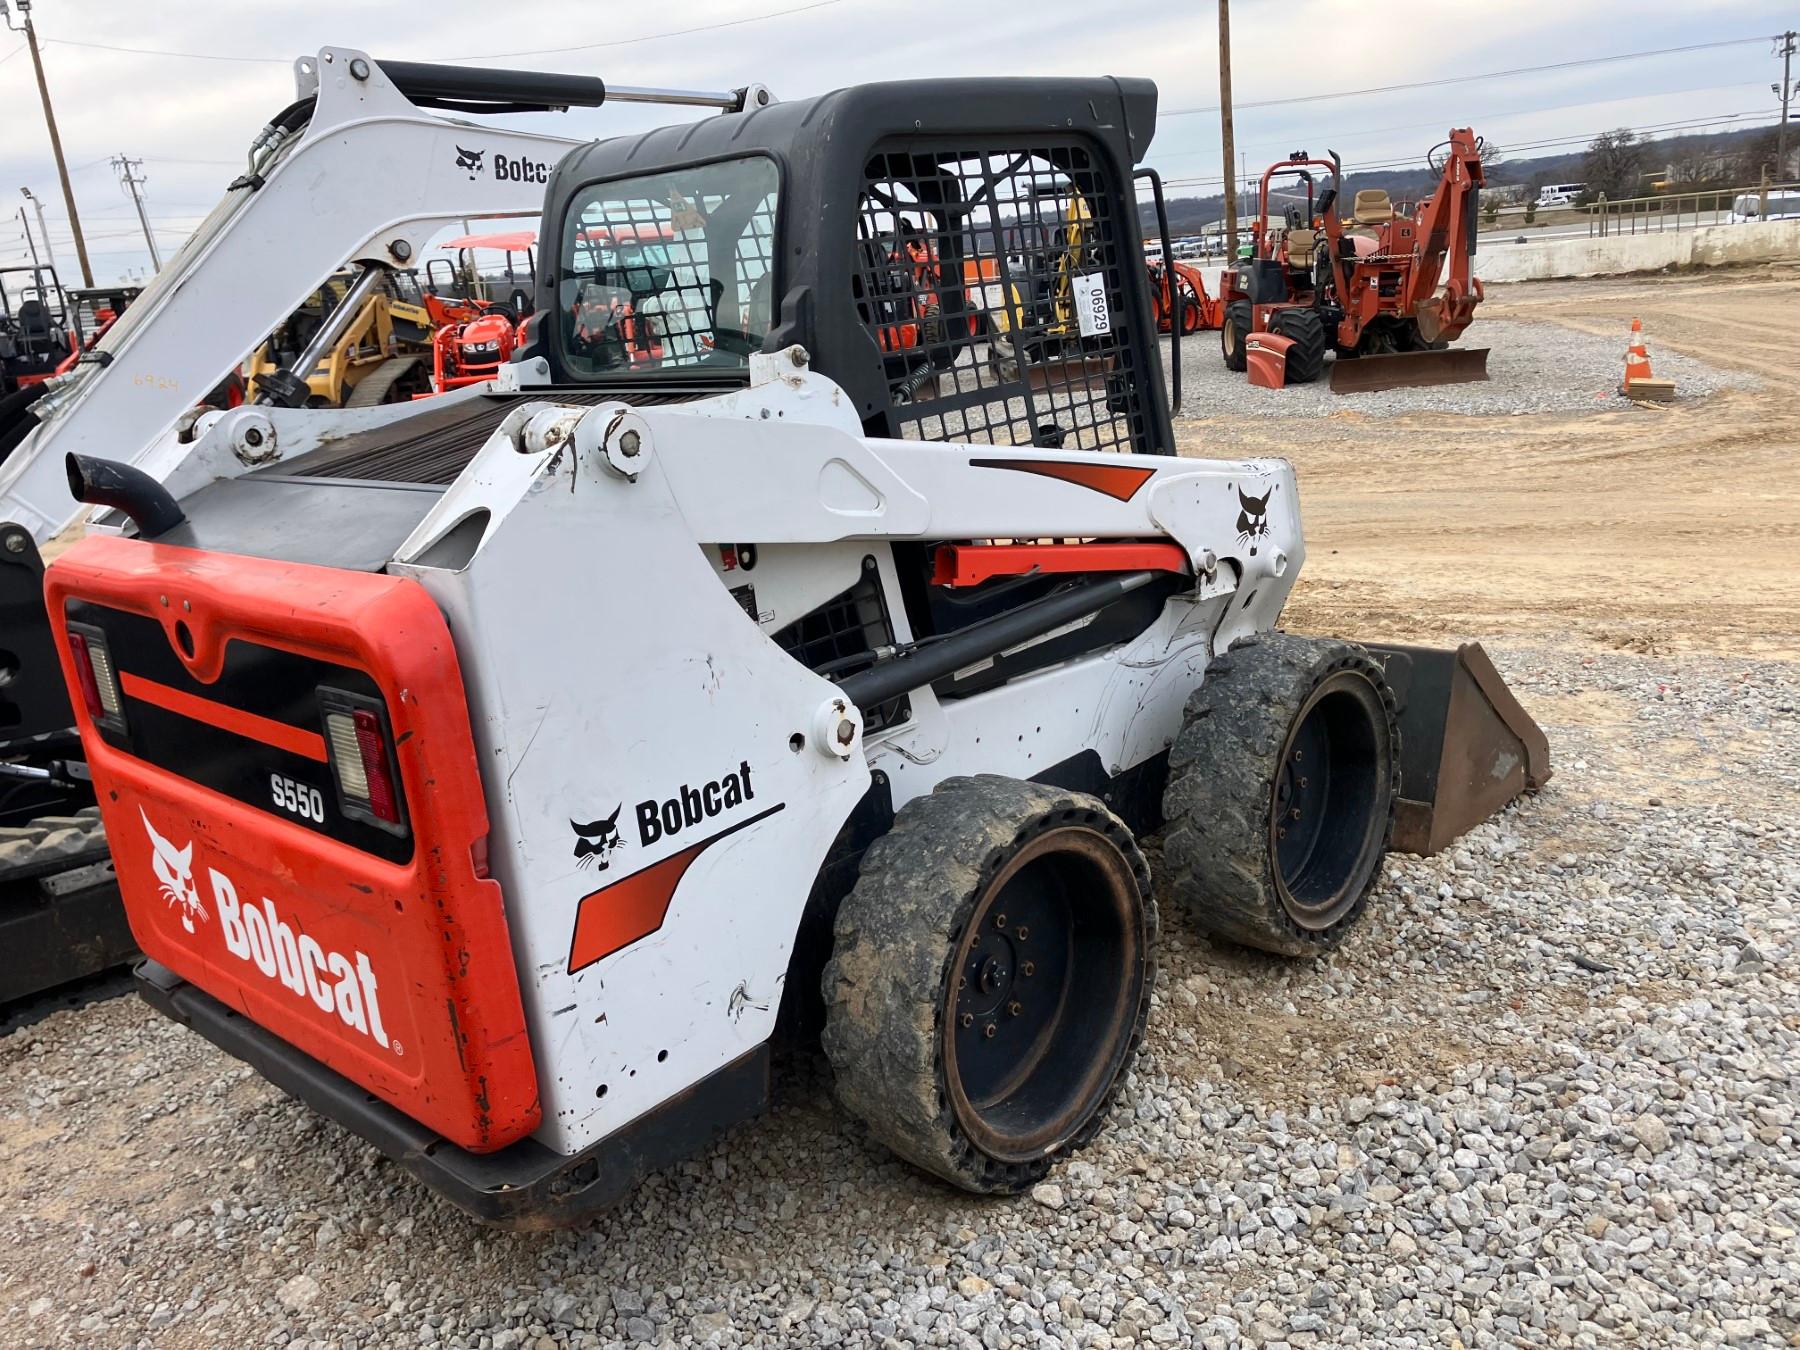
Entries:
{"x":1546,"y":1095}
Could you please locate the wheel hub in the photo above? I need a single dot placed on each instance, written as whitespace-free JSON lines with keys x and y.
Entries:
{"x":1042,"y":995}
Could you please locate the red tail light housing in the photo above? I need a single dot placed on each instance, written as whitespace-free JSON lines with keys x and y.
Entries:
{"x":362,"y":760}
{"x":96,"y":676}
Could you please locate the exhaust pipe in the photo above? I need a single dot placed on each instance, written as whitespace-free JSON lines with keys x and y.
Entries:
{"x":103,"y":482}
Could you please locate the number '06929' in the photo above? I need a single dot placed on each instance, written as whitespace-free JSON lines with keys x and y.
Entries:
{"x":297,"y":798}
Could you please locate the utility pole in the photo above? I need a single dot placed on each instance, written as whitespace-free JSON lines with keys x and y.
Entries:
{"x":62,"y":167}
{"x":127,"y":175}
{"x":1786,"y":90}
{"x":43,"y":229}
{"x":1231,"y":228}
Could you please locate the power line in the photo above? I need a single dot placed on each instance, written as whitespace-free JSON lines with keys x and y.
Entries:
{"x":486,"y":56}
{"x":1659,"y":129}
{"x":1484,"y":118}
{"x":653,"y":37}
{"x":1465,"y":79}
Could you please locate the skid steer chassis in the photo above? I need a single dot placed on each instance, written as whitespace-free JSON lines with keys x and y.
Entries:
{"x":776,"y":650}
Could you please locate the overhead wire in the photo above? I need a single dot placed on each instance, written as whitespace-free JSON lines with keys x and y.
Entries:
{"x":484,"y":56}
{"x":1464,"y":79}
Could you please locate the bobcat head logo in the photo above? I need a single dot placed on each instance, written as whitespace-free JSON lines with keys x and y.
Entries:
{"x":1253,"y":518}
{"x":470,"y":160}
{"x":596,"y":841}
{"x":174,"y":868}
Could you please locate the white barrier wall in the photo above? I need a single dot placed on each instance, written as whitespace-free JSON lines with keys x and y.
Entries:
{"x":1707,"y":246}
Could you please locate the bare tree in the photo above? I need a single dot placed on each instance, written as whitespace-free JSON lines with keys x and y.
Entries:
{"x":1758,"y":153}
{"x":1615,"y":160}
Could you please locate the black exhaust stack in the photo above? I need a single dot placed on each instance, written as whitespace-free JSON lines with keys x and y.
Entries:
{"x":102,"y":482}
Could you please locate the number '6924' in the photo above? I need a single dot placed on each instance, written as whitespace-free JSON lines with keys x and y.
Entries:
{"x":297,"y":798}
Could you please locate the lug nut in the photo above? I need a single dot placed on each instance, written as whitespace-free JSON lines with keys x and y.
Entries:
{"x":1024,"y":932}
{"x":1014,"y":1008}
{"x":999,"y":920}
{"x":1028,"y":968}
{"x":1294,"y":814}
{"x":1303,"y":780}
{"x":990,"y":1030}
{"x":968,"y":1019}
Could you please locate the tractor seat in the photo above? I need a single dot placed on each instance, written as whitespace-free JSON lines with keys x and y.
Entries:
{"x":34,"y":319}
{"x":1300,"y":246}
{"x":1373,"y":207}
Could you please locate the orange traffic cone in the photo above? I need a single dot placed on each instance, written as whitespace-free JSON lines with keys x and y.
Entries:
{"x":1639,"y":382}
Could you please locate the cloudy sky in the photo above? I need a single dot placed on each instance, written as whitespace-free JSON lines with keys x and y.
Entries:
{"x":200,"y":77}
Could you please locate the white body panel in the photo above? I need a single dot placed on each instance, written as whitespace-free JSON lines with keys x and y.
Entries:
{"x":609,"y":664}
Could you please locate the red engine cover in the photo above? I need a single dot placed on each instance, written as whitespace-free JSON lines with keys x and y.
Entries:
{"x":394,"y":966}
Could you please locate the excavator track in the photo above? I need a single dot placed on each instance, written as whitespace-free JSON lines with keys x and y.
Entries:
{"x":61,"y":918}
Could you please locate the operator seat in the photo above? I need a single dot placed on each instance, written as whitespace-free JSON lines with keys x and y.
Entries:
{"x":1300,"y":247}
{"x":1373,"y":207}
{"x":34,"y":321}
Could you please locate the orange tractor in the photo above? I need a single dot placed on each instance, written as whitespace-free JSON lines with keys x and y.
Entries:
{"x":1179,"y":290}
{"x":1386,"y":293}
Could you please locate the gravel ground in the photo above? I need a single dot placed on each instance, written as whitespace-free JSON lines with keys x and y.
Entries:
{"x":1532,"y":368}
{"x":1546,"y":1095}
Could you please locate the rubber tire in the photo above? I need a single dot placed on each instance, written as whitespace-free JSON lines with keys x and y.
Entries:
{"x":1306,"y":358}
{"x":1217,"y":855}
{"x":1235,"y":325}
{"x":895,"y":945}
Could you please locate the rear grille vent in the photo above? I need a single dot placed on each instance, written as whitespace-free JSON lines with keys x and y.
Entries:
{"x":437,"y":445}
{"x":840,"y":637}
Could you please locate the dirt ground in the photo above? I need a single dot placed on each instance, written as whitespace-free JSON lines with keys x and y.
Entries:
{"x":1653,"y":529}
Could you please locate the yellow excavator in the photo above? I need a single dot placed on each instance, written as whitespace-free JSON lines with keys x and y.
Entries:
{"x":1048,"y":250}
{"x":383,"y":356}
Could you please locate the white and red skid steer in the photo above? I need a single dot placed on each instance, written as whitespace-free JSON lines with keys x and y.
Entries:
{"x":494,"y":773}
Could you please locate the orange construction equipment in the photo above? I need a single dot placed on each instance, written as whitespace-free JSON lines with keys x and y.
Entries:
{"x":1386,"y":292}
{"x":1200,"y":312}
{"x":1639,"y":383}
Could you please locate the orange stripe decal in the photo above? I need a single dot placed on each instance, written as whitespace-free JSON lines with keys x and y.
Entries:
{"x":634,"y":907}
{"x":295,"y":740}
{"x":1118,"y":481}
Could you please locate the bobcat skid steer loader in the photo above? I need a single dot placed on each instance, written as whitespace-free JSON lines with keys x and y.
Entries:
{"x":494,"y":776}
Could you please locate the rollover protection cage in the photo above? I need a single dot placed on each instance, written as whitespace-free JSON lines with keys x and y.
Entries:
{"x":961,"y":283}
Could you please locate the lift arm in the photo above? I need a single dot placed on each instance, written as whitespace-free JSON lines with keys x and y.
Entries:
{"x":355,"y":169}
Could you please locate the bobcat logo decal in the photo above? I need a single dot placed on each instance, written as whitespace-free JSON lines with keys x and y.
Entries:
{"x":470,"y":160}
{"x":174,"y":869}
{"x":595,"y":842}
{"x":1253,"y":518}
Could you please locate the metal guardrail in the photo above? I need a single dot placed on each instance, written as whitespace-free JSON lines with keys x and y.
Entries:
{"x":1672,"y":211}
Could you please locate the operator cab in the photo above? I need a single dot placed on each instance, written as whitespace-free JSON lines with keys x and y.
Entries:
{"x":958,"y":287}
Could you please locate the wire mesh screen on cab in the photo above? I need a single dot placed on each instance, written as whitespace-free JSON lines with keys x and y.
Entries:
{"x":993,"y":284}
{"x":670,"y":270}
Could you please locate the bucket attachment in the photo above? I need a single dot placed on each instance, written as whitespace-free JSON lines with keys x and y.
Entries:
{"x":1406,"y":370}
{"x":1466,"y":746}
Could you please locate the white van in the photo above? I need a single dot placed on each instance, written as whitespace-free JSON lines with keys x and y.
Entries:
{"x":1560,"y":194}
{"x":1748,"y":206}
